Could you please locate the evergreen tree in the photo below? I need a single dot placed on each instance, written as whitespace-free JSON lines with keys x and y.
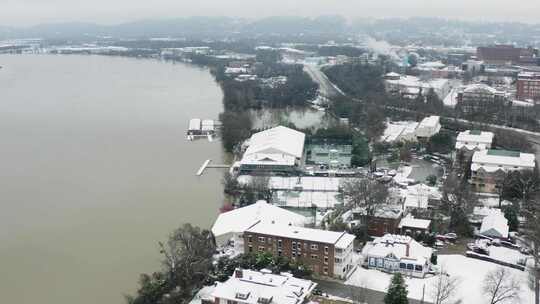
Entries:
{"x":397,"y":291}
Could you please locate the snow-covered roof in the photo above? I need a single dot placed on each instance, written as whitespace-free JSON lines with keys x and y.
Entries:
{"x":480,"y":87}
{"x":402,"y":247}
{"x":399,"y":130}
{"x":301,"y":233}
{"x":263,"y":287}
{"x":474,"y":139}
{"x":268,"y":159}
{"x":432,"y":65}
{"x":194,"y":124}
{"x":415,"y":82}
{"x":392,"y":75}
{"x":278,"y":140}
{"x":495,"y":224}
{"x":493,"y":160}
{"x":430,"y":122}
{"x":238,"y":220}
{"x":384,"y":211}
{"x":410,"y":221}
{"x":207,"y":125}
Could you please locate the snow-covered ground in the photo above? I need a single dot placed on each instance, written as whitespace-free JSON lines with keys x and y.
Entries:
{"x":471,"y":274}
{"x":403,"y":173}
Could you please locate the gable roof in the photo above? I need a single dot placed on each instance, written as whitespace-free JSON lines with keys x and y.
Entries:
{"x":257,"y":287}
{"x":278,"y":140}
{"x":410,"y":221}
{"x":238,"y":220}
{"x":396,"y":245}
{"x":495,"y":224}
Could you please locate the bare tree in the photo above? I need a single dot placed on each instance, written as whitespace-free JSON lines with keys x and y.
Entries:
{"x":366,"y":194}
{"x":444,"y":288}
{"x":501,"y":287}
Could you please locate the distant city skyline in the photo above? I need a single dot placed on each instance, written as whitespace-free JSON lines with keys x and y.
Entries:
{"x":32,"y":12}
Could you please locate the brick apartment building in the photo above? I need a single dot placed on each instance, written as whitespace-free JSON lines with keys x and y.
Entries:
{"x":528,"y":86}
{"x":507,"y":54}
{"x":489,"y":167}
{"x":325,"y":252}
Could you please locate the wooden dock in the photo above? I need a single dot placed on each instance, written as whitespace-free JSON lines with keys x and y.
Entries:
{"x":207,"y":165}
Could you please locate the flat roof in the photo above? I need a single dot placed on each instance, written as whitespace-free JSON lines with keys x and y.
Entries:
{"x":299,"y":233}
{"x":495,"y":158}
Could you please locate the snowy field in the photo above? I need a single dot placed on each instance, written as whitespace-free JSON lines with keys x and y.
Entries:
{"x":471,"y":273}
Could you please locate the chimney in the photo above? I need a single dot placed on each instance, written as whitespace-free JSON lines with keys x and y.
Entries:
{"x":238,"y":273}
{"x":407,"y":249}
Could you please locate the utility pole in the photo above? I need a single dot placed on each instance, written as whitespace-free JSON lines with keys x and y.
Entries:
{"x":423,"y":293}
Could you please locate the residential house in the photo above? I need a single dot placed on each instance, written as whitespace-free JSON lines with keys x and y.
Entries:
{"x":398,"y":253}
{"x":495,"y":225}
{"x":262,"y":287}
{"x":325,"y":252}
{"x":385,"y":219}
{"x":409,"y":225}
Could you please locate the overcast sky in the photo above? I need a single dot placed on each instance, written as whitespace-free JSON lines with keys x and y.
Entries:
{"x":30,"y":12}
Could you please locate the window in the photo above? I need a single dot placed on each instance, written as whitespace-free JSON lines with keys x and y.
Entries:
{"x":372,"y":262}
{"x":314,"y":247}
{"x":402,"y":266}
{"x":261,"y":239}
{"x":380,"y":263}
{"x":326,"y":249}
{"x":269,"y":240}
{"x":410,"y":267}
{"x":294,"y":254}
{"x":325,"y":270}
{"x":279,"y":252}
{"x":326,"y":260}
{"x":314,"y":256}
{"x":418,"y":267}
{"x":261,"y":248}
{"x":293,"y":245}
{"x":250,"y":248}
{"x":250,"y":239}
{"x":338,"y":260}
{"x":279,"y":243}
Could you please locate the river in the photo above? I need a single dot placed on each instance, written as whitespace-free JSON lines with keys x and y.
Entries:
{"x":95,"y":170}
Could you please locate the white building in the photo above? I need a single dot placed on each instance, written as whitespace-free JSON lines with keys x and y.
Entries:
{"x":398,"y":253}
{"x":495,"y":225}
{"x":400,"y":131}
{"x":278,"y":149}
{"x":229,"y":226}
{"x":262,"y":287}
{"x":474,"y":140}
{"x":412,"y":86}
{"x":428,"y":127}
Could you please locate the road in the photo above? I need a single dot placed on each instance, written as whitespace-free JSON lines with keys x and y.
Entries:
{"x":326,"y":88}
{"x":354,"y":293}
